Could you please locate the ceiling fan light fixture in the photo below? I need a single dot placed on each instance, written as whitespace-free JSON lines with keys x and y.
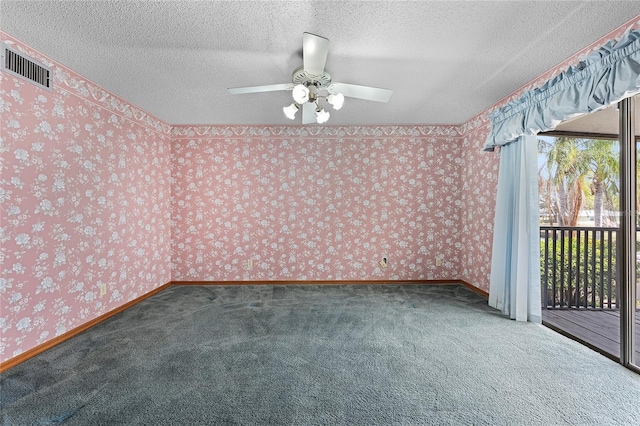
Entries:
{"x":336,"y":100}
{"x":311,"y":82}
{"x":300,"y":93}
{"x":290,"y":111}
{"x":322,"y":116}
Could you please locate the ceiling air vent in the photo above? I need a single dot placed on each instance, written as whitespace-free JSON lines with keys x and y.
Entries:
{"x":24,"y":67}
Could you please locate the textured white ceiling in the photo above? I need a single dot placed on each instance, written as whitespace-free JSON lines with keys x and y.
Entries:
{"x":445,"y":60}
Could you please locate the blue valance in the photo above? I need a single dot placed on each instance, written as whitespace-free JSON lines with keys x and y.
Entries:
{"x":606,"y":76}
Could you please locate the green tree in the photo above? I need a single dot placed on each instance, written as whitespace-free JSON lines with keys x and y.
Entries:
{"x":604,"y":166}
{"x":567,"y":166}
{"x":579,"y":274}
{"x":579,"y":169}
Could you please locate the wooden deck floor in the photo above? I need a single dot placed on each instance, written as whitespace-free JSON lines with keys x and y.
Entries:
{"x":599,"y":330}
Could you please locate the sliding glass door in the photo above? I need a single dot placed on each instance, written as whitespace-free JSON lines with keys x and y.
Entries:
{"x":630,"y":322}
{"x":589,"y":178}
{"x":627,"y":243}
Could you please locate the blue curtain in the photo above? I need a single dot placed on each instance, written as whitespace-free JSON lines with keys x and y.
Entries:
{"x":606,"y":76}
{"x":515,"y":262}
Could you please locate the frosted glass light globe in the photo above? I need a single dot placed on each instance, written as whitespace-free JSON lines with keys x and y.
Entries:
{"x":300,"y":93}
{"x":336,"y":100}
{"x":322,"y":116}
{"x":290,"y":111}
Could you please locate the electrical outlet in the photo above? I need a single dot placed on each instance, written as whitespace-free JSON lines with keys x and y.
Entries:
{"x":438,"y":261}
{"x":103,"y":289}
{"x":250,"y":263}
{"x":384,"y":262}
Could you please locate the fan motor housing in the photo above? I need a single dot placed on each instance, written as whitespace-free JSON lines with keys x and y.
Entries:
{"x":300,"y":76}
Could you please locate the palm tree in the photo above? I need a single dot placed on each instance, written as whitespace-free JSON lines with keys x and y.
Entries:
{"x":572,"y":163}
{"x":604,"y":166}
{"x":567,"y":166}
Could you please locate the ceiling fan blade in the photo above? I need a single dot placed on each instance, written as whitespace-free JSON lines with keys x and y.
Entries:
{"x":257,"y":89}
{"x":308,"y":113}
{"x":361,"y":92}
{"x":314,"y":53}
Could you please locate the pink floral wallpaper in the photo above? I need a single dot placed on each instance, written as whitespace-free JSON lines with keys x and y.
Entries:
{"x":292,"y":203}
{"x":478,"y":191}
{"x":84,"y":201}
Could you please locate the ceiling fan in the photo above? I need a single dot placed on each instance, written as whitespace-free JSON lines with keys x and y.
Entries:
{"x":311,"y":82}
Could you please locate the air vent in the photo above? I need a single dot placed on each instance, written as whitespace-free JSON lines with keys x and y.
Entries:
{"x":24,"y":67}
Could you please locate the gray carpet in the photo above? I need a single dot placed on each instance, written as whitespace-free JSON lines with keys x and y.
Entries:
{"x":311,"y":355}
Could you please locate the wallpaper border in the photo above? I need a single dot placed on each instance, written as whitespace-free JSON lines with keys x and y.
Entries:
{"x":266,"y":131}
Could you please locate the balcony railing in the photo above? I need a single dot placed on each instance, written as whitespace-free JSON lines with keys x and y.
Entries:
{"x":578,"y":267}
